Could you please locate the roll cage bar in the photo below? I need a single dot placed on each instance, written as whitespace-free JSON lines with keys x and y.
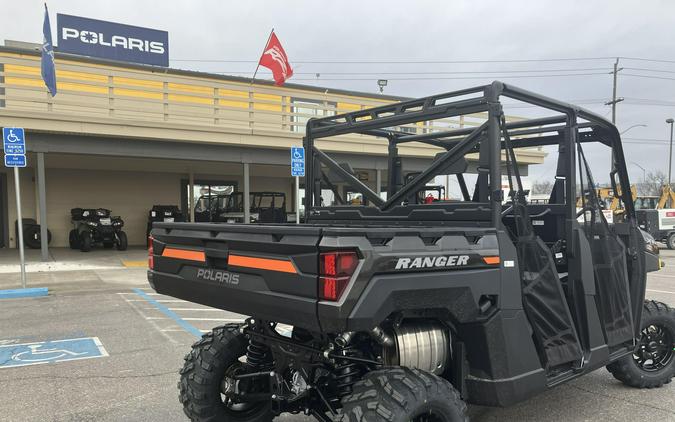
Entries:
{"x":570,"y":125}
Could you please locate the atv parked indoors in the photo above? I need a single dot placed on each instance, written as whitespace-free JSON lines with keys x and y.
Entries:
{"x":94,"y":226}
{"x":396,"y":311}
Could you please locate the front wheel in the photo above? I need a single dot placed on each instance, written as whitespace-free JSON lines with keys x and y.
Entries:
{"x":207,"y":374}
{"x":670,"y":241}
{"x":653,"y":362}
{"x":122,"y":241}
{"x":403,"y":395}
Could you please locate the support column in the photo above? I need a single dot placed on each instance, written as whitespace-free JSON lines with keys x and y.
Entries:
{"x":247,"y":196}
{"x":42,"y":200}
{"x":191,"y":194}
{"x":378,"y":181}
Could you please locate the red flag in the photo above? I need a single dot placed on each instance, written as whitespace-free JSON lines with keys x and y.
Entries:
{"x":274,"y":58}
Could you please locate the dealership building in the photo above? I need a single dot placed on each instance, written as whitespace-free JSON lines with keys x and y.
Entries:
{"x":127,"y":136}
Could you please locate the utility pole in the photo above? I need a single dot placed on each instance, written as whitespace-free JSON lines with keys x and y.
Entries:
{"x":670,"y":121}
{"x":615,"y":100}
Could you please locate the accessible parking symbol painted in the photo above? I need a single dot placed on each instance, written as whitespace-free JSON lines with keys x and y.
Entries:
{"x":13,"y":355}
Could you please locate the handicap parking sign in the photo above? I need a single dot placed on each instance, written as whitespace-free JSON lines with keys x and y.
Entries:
{"x":14,"y":145}
{"x":13,"y":141}
{"x":13,"y":355}
{"x":298,"y":161}
{"x":15,"y":160}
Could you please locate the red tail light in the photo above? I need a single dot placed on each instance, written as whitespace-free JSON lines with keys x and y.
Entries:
{"x":151,"y":253}
{"x":336,"y":269}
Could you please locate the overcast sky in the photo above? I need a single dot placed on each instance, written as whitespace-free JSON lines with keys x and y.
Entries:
{"x":425,"y":31}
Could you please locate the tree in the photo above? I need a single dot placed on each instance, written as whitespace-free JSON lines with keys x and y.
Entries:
{"x":653,"y":183}
{"x":542,"y":187}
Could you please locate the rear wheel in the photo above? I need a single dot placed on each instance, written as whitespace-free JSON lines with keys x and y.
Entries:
{"x":31,"y":237}
{"x":208,"y":373}
{"x":73,"y":240}
{"x":122,"y":241}
{"x":403,"y":395}
{"x":653,"y":362}
{"x":85,"y":242}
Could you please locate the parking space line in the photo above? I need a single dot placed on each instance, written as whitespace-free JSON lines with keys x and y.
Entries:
{"x":157,"y":300}
{"x":215,"y":319}
{"x":196,"y":309}
{"x":662,"y":275}
{"x":661,"y":291}
{"x":171,"y":314}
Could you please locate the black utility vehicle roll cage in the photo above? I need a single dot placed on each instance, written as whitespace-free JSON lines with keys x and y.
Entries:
{"x":569,"y":126}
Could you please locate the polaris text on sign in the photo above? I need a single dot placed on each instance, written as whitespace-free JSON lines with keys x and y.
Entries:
{"x":115,"y":41}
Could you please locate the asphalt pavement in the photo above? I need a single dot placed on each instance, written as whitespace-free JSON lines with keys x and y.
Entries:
{"x":137,"y":341}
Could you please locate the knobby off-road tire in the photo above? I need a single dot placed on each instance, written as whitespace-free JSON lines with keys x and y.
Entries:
{"x":73,"y":240}
{"x":658,"y":321}
{"x":122,"y":241}
{"x":85,"y":242}
{"x":403,"y":395}
{"x":203,"y":373}
{"x":670,"y":241}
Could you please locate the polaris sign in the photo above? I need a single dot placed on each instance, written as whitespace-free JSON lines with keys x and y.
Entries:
{"x":109,"y":40}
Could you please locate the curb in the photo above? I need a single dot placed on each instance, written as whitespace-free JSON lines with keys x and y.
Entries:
{"x":30,"y":292}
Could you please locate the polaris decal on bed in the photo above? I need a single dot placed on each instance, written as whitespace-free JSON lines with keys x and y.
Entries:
{"x":220,"y":276}
{"x":432,"y":262}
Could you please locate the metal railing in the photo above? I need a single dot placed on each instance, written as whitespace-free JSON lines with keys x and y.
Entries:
{"x":117,"y":95}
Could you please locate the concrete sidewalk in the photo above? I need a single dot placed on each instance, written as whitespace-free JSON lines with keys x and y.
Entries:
{"x":74,"y":270}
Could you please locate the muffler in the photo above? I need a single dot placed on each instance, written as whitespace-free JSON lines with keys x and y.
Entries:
{"x":419,"y":344}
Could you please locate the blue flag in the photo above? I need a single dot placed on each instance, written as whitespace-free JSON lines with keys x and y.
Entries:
{"x":48,"y":70}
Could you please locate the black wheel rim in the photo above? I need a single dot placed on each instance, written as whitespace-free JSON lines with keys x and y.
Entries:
{"x":429,"y":416}
{"x":655,"y":350}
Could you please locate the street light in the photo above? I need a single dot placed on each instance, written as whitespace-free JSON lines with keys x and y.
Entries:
{"x":631,"y":127}
{"x":644,"y":172}
{"x":382,"y":83}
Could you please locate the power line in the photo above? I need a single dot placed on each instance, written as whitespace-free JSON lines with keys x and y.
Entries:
{"x":425,"y":61}
{"x":440,"y":72}
{"x":393,"y":61}
{"x":648,"y":76}
{"x":454,"y":78}
{"x":648,"y":139}
{"x":650,"y":70}
{"x":648,"y":60}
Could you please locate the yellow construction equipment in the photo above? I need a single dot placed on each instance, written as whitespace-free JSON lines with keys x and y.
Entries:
{"x":667,"y":198}
{"x":610,"y":200}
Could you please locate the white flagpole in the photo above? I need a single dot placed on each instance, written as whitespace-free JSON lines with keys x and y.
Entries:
{"x":261,"y":54}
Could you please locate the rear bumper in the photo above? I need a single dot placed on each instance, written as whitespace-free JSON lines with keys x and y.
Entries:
{"x":256,"y":302}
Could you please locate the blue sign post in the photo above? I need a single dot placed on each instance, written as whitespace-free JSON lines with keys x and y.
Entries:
{"x":297,"y":171}
{"x":14,"y":145}
{"x":298,"y":161}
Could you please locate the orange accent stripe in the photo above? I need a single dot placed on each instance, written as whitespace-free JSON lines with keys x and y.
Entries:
{"x":184,"y":254}
{"x":262,"y":263}
{"x":491,"y":260}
